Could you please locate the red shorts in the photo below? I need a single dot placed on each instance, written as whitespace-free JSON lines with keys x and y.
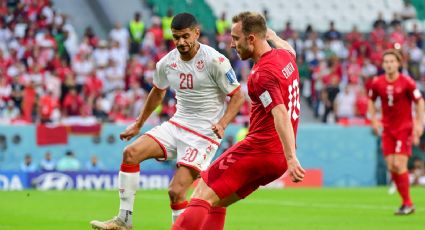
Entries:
{"x":399,"y":142}
{"x":242,"y":169}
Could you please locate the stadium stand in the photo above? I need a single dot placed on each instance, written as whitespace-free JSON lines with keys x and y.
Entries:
{"x":45,"y":54}
{"x":346,"y":14}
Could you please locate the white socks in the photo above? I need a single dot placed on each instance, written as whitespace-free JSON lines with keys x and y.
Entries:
{"x":128,"y":183}
{"x":175,"y":214}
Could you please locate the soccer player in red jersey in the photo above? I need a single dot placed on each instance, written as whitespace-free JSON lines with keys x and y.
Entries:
{"x":397,"y":92}
{"x":269,"y":148}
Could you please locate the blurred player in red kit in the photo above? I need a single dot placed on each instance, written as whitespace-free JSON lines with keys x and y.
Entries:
{"x":397,"y":92}
{"x":269,"y":148}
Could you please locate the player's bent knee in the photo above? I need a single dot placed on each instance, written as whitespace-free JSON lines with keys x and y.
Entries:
{"x":176,"y":193}
{"x":130,"y":155}
{"x":399,"y":168}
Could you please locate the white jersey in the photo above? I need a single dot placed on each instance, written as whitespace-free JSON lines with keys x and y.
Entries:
{"x":201,"y":86}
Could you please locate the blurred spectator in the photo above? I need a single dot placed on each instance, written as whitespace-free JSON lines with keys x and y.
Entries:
{"x":5,"y":88}
{"x":10,"y":113}
{"x":28,"y":102}
{"x":397,"y":37}
{"x":332,"y":33}
{"x":28,"y":165}
{"x":344,"y":104}
{"x":91,"y":37}
{"x":328,"y":97}
{"x":82,"y":65}
{"x":415,"y":33}
{"x":72,"y":104}
{"x":68,"y":163}
{"x":269,"y":20}
{"x":396,"y":20}
{"x":166,"y":28}
{"x":380,"y":21}
{"x":156,"y":31}
{"x":93,"y":86}
{"x":408,"y":11}
{"x":296,"y":42}
{"x":414,"y":57}
{"x":48,"y":104}
{"x":94,"y":165}
{"x":47,"y":164}
{"x":137,"y":30}
{"x":353,"y":36}
{"x":361,"y":103}
{"x":313,"y":41}
{"x":287,"y":31}
{"x":99,"y":109}
{"x":120,"y":35}
{"x":101,"y":55}
{"x":222,"y":25}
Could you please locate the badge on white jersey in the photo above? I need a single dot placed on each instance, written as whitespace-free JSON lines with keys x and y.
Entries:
{"x":265,"y":98}
{"x":200,"y":65}
{"x":231,"y":77}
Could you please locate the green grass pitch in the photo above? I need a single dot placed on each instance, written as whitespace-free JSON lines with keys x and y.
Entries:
{"x":294,"y":209}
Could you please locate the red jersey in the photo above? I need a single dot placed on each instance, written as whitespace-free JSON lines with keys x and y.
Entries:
{"x":396,"y":99}
{"x":274,"y":80}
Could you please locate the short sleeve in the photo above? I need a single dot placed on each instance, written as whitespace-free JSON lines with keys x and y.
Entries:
{"x":269,"y":90}
{"x":413,"y":92}
{"x":160,"y":79}
{"x":224,"y":75}
{"x":373,"y":94}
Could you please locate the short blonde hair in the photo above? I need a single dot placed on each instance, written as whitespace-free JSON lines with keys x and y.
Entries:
{"x":396,"y":54}
{"x":252,"y":23}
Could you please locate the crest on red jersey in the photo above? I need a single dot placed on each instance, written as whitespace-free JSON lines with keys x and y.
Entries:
{"x":200,"y":65}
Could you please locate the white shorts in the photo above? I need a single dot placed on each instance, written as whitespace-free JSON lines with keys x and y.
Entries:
{"x":191,"y":149}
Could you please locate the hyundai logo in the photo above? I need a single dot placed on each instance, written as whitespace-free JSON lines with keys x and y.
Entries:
{"x":55,"y":180}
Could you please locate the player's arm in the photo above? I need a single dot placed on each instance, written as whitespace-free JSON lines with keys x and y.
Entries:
{"x":222,"y":73}
{"x":376,"y":126}
{"x":285,"y":130}
{"x":419,"y":124}
{"x":236,"y":101}
{"x":155,"y":97}
{"x":278,"y":42}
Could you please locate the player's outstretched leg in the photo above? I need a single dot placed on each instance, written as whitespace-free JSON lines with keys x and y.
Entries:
{"x":128,"y":181}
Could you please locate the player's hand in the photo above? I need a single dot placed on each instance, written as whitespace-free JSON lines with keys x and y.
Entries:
{"x":418,"y":130}
{"x":295,"y":171}
{"x":218,"y":130}
{"x":131,"y":131}
{"x":376,"y":127}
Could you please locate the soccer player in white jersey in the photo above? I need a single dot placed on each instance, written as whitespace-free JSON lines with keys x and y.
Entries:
{"x":202,"y":78}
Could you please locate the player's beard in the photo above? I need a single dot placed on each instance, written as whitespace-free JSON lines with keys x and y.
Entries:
{"x":244,"y":52}
{"x":186,"y":49}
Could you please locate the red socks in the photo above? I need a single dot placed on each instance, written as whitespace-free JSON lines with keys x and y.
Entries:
{"x":194,"y":215}
{"x":215,"y":219}
{"x":403,"y":186}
